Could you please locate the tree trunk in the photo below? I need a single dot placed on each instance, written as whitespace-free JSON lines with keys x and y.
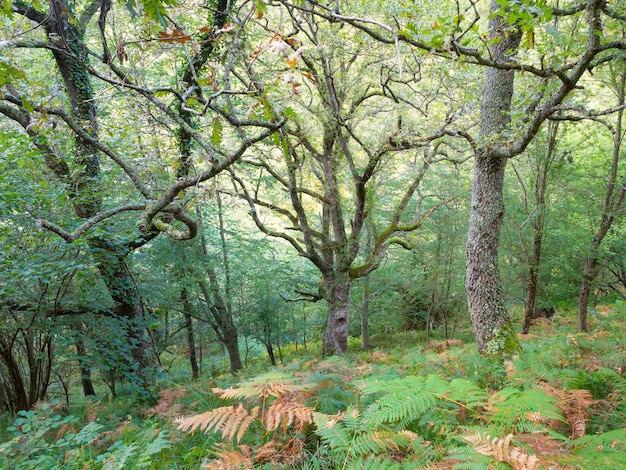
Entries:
{"x":338,"y":296}
{"x":83,"y":365}
{"x":232,"y":347}
{"x":128,"y":306}
{"x":530,"y":306}
{"x":267,"y":339}
{"x":222,"y":322}
{"x":483,"y":284}
{"x":364,"y":312}
{"x":494,"y":333}
{"x":70,"y":54}
{"x":191,"y":342}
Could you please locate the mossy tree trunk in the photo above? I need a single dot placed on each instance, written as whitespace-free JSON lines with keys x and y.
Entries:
{"x":65,"y":38}
{"x":337,"y":287}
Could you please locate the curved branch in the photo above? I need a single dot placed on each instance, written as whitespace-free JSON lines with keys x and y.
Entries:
{"x":71,"y":237}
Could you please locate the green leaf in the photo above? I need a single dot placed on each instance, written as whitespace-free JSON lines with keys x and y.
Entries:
{"x":216,"y":133}
{"x":154,"y":9}
{"x":6,"y":9}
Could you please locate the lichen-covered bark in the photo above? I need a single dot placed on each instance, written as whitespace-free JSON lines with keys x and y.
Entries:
{"x":483,"y":283}
{"x":338,"y":296}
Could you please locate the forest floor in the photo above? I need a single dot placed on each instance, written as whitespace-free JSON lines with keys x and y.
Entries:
{"x":559,"y":404}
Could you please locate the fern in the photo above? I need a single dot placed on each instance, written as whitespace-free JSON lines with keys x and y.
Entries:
{"x":404,"y":399}
{"x":161,"y":442}
{"x":503,"y":451}
{"x":515,"y":410}
{"x":378,"y":463}
{"x":272,"y":384}
{"x":352,"y":435}
{"x":574,"y":404}
{"x":276,"y":402}
{"x":232,"y":460}
{"x":467,"y":394}
{"x":466,"y":458}
{"x":602,"y":451}
{"x":288,"y":410}
{"x":231,"y":421}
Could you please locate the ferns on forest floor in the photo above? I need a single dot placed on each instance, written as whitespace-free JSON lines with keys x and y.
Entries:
{"x":273,"y":400}
{"x":375,"y":416}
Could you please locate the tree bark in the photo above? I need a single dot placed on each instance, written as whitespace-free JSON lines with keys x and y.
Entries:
{"x":128,"y":305}
{"x":191,"y":342}
{"x":83,"y":366}
{"x":364,"y":313}
{"x":222,"y":322}
{"x":338,"y":296}
{"x":494,"y":333}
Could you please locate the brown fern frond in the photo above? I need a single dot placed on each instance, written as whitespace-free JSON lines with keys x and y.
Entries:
{"x":574,"y":404}
{"x":502,"y":450}
{"x":166,"y":407}
{"x":385,"y":440}
{"x":261,"y":390}
{"x":535,"y":417}
{"x":230,"y":420}
{"x":267,"y":452}
{"x":288,"y":410}
{"x":232,"y":460}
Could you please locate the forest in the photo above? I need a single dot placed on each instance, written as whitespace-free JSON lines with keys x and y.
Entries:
{"x":312,"y":234}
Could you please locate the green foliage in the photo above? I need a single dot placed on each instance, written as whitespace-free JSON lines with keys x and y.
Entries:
{"x":9,"y":73}
{"x":602,"y":451}
{"x":154,"y":9}
{"x":45,"y":439}
{"x":518,"y":411}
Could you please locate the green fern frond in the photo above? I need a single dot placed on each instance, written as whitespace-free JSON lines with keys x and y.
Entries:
{"x":602,"y":451}
{"x":404,"y":398}
{"x":333,"y":432}
{"x":160,"y":443}
{"x":377,"y":463}
{"x":517,"y":410}
{"x":467,"y":393}
{"x":467,"y":458}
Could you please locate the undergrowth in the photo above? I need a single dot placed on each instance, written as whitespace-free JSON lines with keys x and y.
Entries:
{"x":559,"y":404}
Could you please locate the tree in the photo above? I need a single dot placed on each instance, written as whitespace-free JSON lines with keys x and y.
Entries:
{"x":341,"y":153}
{"x":569,"y":41}
{"x":534,"y":214}
{"x":66,"y":126}
{"x":613,"y":197}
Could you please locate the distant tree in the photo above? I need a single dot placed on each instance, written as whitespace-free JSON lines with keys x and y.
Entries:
{"x":615,"y":191}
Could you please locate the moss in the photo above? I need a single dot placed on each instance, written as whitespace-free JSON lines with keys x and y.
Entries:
{"x":503,"y":341}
